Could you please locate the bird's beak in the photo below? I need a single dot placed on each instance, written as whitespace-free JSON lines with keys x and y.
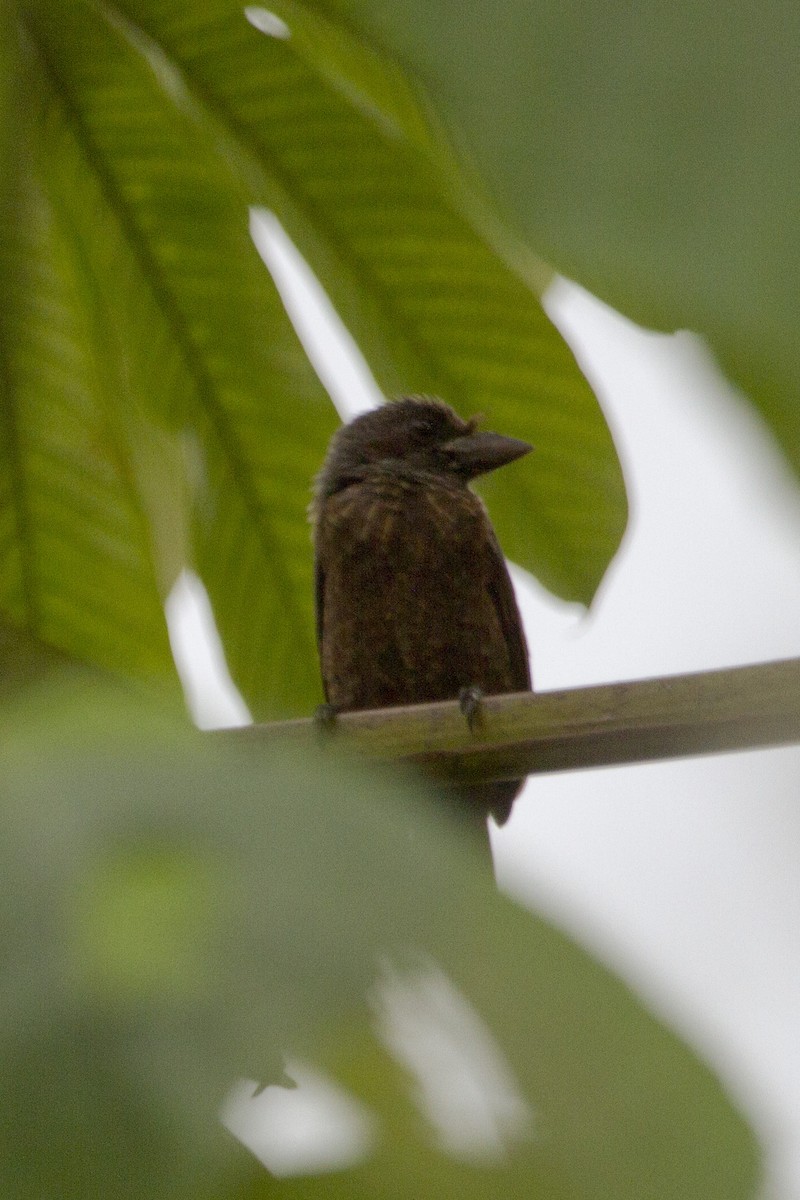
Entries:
{"x":476,"y":453}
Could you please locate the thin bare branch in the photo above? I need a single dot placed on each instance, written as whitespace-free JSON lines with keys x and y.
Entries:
{"x":677,"y":716}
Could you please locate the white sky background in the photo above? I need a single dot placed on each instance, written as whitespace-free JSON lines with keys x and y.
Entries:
{"x":684,"y":876}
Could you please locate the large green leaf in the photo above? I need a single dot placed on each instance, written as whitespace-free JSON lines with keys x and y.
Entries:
{"x":209,"y":409}
{"x":181,"y":909}
{"x":427,"y":297}
{"x":78,"y":563}
{"x":650,"y":152}
{"x":158,"y":409}
{"x":344,"y":158}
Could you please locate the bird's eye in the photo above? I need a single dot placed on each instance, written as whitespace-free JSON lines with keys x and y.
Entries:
{"x":423,"y":428}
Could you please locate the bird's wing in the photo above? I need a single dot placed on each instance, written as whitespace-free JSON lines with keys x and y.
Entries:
{"x":505,"y":603}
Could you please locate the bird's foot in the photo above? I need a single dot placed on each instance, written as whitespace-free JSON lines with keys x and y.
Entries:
{"x":325,"y":716}
{"x":470,"y":700}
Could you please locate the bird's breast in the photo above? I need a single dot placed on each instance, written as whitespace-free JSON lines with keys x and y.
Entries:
{"x":405,"y":519}
{"x":407,"y":610}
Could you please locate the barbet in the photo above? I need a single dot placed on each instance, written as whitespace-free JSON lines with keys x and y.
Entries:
{"x":413,"y":598}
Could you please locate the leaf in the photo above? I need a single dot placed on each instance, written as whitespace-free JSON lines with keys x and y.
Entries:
{"x":181,"y":419}
{"x":9,"y":84}
{"x":78,"y":567}
{"x":158,"y":408}
{"x":185,"y":908}
{"x":428,"y":297}
{"x":649,"y":153}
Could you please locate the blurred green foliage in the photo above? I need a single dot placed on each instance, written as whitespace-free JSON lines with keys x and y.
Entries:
{"x":182,"y":908}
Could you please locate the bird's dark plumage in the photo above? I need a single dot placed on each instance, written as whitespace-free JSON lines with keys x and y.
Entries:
{"x":414,"y":602}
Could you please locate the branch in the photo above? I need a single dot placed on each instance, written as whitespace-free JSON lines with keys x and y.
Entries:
{"x":739,"y":708}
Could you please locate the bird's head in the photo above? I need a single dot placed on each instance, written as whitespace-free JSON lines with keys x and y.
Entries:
{"x":421,"y":434}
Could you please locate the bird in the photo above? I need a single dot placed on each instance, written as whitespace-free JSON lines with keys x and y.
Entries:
{"x":413,"y":598}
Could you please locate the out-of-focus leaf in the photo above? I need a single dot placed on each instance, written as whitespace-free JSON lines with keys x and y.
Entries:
{"x":648,"y":152}
{"x":616,"y":1113}
{"x":184,"y":908}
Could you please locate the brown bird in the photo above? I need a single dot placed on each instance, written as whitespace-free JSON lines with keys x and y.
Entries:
{"x":413,"y":599}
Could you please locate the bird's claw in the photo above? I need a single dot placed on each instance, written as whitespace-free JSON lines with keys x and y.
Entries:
{"x":470,"y":700}
{"x":325,"y":718}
